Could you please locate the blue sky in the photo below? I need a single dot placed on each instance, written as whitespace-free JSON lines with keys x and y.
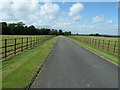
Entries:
{"x":77,"y":17}
{"x":92,"y":9}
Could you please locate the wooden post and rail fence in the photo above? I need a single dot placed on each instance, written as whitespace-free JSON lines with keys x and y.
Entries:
{"x":13,"y":46}
{"x":109,"y":45}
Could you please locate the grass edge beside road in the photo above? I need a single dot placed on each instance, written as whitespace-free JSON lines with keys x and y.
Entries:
{"x":19,"y":71}
{"x":108,"y":55}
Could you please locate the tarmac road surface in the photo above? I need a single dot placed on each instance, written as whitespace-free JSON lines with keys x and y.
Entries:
{"x":72,"y":66}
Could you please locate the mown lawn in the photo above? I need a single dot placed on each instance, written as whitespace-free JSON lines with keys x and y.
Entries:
{"x":18,"y":71}
{"x":19,"y":36}
{"x":109,"y":55}
{"x":99,"y":41}
{"x":19,"y":40}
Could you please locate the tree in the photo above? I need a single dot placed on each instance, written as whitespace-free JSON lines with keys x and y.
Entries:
{"x":97,"y":34}
{"x":32,"y":30}
{"x":94,"y":34}
{"x":67,"y":33}
{"x":12,"y":28}
{"x":20,"y":29}
{"x":26,"y":31}
{"x":77,"y":34}
{"x":5,"y":30}
{"x":60,"y":32}
{"x":53,"y":32}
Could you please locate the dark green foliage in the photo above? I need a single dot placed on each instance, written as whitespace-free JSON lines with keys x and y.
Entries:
{"x":97,"y":35}
{"x":20,"y":29}
{"x":94,"y":34}
{"x":60,"y":32}
{"x":67,"y":33}
{"x":53,"y":32}
{"x":5,"y":28}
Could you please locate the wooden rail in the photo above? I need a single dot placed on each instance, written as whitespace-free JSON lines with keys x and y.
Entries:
{"x":109,"y":45}
{"x":13,"y":46}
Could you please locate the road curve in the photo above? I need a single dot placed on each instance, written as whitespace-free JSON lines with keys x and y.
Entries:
{"x":71,"y":66}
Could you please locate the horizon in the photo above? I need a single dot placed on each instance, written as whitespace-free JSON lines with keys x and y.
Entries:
{"x":77,"y":17}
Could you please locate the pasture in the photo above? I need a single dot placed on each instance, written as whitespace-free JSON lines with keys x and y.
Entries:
{"x":12,"y":44}
{"x":107,"y":43}
{"x":19,"y":70}
{"x":107,"y":47}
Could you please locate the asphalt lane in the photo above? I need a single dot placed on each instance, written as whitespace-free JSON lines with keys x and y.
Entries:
{"x":72,"y":66}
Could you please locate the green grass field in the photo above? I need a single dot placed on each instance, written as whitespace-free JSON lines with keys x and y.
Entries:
{"x":111,"y":41}
{"x":20,"y":36}
{"x":32,"y":39}
{"x":109,"y":55}
{"x":19,"y":70}
{"x":10,"y":38}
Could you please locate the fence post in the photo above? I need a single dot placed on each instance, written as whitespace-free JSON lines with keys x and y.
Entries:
{"x":27,"y":43}
{"x":36,"y":41}
{"x":39,"y":40}
{"x":89,"y":40}
{"x":92,"y":41}
{"x":99,"y":43}
{"x":31,"y":42}
{"x":15,"y":46}
{"x":80,"y":38}
{"x":22,"y":45}
{"x":86,"y":40}
{"x":5,"y":48}
{"x":114,"y":46}
{"x":103,"y":45}
{"x":108,"y":45}
{"x":95,"y":41}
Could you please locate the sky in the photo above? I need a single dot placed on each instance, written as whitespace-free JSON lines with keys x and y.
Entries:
{"x":77,"y":17}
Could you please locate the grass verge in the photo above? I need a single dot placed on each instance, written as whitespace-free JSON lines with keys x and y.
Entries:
{"x":110,"y":56}
{"x":19,"y":70}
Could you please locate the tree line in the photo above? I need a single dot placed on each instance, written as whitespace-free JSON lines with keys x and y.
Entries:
{"x":21,"y":29}
{"x":98,"y":35}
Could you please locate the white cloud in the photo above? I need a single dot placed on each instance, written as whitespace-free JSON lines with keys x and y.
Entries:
{"x":49,"y":10}
{"x":100,"y":19}
{"x":45,"y":15}
{"x":75,"y":11}
{"x":92,"y":29}
{"x":28,"y":12}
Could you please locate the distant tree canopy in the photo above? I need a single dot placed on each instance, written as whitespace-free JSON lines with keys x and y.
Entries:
{"x":20,"y":29}
{"x":97,"y":35}
{"x":94,"y":34}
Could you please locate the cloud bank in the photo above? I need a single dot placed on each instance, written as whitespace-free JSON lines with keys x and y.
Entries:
{"x":75,"y":11}
{"x":48,"y":15}
{"x":100,"y":19}
{"x":28,"y":12}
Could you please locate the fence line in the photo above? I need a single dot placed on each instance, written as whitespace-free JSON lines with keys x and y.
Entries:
{"x":100,"y":43}
{"x":13,"y":46}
